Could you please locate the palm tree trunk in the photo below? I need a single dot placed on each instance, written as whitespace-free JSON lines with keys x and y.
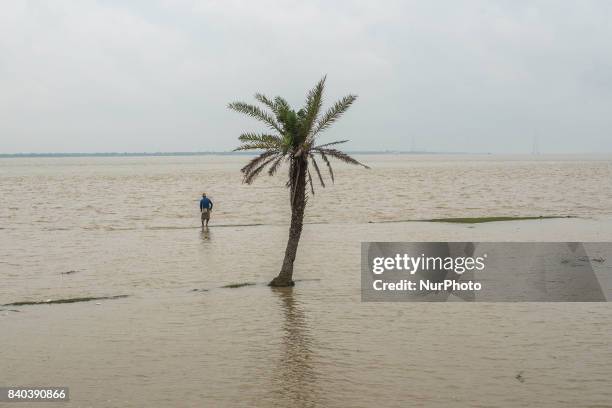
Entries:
{"x":298,"y":204}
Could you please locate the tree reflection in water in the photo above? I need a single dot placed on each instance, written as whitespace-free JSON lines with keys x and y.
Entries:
{"x":295,"y":377}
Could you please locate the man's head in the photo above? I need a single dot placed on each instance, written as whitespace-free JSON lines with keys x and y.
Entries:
{"x":203,"y":194}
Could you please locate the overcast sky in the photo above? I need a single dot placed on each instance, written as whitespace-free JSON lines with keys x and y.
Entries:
{"x":475,"y":76}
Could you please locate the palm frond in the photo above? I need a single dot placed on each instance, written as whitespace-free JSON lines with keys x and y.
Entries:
{"x":257,"y":160}
{"x":254,"y":146}
{"x":260,"y":138}
{"x":275,"y":165}
{"x":316,"y":167}
{"x":337,"y":154}
{"x":255,"y":112}
{"x":281,"y":103}
{"x":329,"y":167}
{"x":252,"y":174}
{"x":314,"y":100}
{"x":310,"y":182}
{"x":334,"y":113}
{"x":332,"y":143}
{"x":264,"y":99}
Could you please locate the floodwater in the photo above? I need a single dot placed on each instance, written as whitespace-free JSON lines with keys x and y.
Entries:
{"x":78,"y":227}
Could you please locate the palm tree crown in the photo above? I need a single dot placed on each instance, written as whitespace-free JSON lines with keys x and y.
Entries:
{"x":293,"y":135}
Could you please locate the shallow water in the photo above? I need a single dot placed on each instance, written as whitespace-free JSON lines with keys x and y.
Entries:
{"x":128,"y":226}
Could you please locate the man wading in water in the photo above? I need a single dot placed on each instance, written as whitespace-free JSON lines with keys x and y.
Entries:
{"x":205,"y":208}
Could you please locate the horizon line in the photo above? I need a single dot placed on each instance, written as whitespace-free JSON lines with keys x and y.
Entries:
{"x":243,"y":153}
{"x":201,"y":153}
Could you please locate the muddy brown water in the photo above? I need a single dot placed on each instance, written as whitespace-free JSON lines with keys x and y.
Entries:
{"x":128,"y":226}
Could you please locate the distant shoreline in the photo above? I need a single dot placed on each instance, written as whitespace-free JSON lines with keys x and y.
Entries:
{"x":231,"y":153}
{"x":241,"y":153}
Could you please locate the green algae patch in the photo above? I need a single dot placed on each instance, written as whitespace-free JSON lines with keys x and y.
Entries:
{"x":238,"y":285}
{"x":68,"y":300}
{"x":478,"y":220}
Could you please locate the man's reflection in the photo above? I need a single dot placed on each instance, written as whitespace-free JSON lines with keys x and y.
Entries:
{"x":205,"y":234}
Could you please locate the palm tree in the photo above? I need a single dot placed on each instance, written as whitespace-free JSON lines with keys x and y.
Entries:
{"x":293,"y":139}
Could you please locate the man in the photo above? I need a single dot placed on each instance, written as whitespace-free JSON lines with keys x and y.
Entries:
{"x":205,"y":208}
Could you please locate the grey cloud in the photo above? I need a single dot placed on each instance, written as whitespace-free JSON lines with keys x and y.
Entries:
{"x":477,"y":76}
